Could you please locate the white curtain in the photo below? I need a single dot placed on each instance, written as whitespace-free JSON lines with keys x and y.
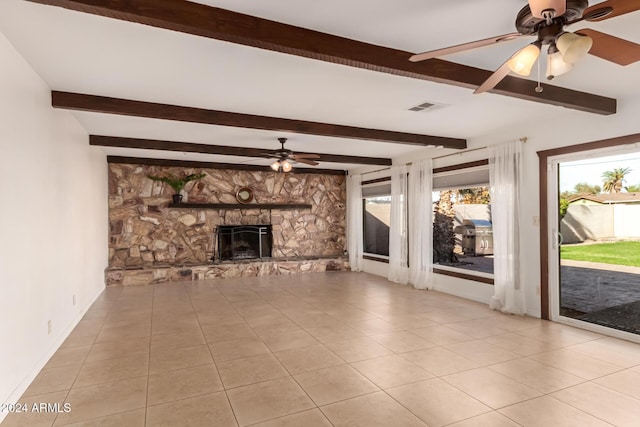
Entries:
{"x":355,"y":237}
{"x":420,"y":225}
{"x":398,"y":249}
{"x":505,"y":169}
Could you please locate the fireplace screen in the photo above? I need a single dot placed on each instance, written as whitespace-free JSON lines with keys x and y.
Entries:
{"x":243,"y":241}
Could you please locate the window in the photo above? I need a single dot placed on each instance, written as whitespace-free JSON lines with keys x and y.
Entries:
{"x":377,"y":219}
{"x":376,"y":203}
{"x":462,"y":229}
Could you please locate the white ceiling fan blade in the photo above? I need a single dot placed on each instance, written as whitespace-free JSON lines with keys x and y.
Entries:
{"x":494,"y":79}
{"x":463,"y":47}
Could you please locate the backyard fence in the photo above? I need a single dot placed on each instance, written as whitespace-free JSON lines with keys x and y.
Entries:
{"x":600,"y":222}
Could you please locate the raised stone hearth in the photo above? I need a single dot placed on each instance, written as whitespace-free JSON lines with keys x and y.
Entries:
{"x":160,"y":274}
{"x":151,"y":241}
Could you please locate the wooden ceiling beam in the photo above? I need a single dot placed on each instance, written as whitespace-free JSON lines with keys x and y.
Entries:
{"x":126,"y":107}
{"x":213,"y":165}
{"x":189,"y":147}
{"x":221,"y":24}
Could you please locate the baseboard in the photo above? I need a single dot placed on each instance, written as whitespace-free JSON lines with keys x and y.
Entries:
{"x":465,"y":295}
{"x":28,"y":379}
{"x":535,"y":314}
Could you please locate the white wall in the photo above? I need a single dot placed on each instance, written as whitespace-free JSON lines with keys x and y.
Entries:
{"x":375,"y":267}
{"x":469,"y":289}
{"x":53,"y":223}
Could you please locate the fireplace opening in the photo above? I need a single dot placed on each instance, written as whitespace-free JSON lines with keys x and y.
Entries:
{"x":243,"y":241}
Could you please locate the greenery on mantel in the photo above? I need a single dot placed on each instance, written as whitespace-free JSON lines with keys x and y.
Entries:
{"x":176,"y":182}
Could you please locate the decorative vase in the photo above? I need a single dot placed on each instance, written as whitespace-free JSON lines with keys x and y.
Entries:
{"x":177,"y":198}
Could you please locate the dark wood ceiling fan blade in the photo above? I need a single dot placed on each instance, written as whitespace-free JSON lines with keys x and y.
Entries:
{"x":494,"y":79}
{"x":267,"y":154}
{"x":256,"y":152}
{"x":306,"y":162}
{"x":597,"y":13}
{"x":614,"y":49}
{"x":305,"y":156}
{"x":463,"y":47}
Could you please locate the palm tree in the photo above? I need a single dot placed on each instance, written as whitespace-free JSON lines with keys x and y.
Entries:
{"x":613,"y":180}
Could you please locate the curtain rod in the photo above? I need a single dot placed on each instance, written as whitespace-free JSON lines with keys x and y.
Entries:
{"x":523,"y":140}
{"x":457,"y":153}
{"x":377,"y":170}
{"x":383,"y":169}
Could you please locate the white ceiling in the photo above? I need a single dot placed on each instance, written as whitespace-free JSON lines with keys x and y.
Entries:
{"x":84,"y":53}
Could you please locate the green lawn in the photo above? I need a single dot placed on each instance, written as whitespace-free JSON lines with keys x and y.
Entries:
{"x":620,"y":253}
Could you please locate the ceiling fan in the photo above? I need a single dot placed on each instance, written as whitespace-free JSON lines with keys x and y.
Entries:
{"x":546,"y":20}
{"x":285,"y":156}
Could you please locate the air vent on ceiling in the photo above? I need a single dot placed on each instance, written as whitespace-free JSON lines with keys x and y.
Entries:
{"x":427,"y":106}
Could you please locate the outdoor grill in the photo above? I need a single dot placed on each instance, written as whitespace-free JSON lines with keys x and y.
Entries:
{"x":477,"y":237}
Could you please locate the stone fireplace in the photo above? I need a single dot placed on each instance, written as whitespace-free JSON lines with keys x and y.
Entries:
{"x":235,"y":242}
{"x":151,"y":240}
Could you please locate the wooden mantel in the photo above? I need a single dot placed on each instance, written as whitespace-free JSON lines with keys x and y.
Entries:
{"x":187,"y":205}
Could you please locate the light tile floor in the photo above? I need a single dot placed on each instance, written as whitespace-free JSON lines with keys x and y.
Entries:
{"x":322,"y":349}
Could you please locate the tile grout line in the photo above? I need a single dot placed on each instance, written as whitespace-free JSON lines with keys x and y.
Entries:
{"x":84,"y":360}
{"x":146,"y":396}
{"x":93,"y":343}
{"x":224,"y":390}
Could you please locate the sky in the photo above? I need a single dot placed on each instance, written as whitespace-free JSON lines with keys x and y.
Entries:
{"x":591,"y":170}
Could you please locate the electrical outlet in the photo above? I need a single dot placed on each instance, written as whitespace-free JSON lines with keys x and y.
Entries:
{"x":74,"y":299}
{"x":49,"y":327}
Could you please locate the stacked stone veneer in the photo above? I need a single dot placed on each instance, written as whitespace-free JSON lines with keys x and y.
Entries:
{"x":150,"y":242}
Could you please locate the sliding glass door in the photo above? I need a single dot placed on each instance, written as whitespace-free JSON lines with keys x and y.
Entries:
{"x":594,"y":235}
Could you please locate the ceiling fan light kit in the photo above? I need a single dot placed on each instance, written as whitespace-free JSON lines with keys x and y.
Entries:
{"x":546,"y":20}
{"x":573,"y":47}
{"x":522,"y":61}
{"x":285,"y":156}
{"x":286,"y":166}
{"x":556,"y":65}
{"x":281,"y":165}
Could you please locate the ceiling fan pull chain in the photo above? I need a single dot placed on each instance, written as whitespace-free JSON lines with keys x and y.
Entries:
{"x":539,"y":88}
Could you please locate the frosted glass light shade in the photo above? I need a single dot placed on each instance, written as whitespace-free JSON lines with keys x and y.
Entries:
{"x":539,"y":6}
{"x":275,"y":166}
{"x":522,"y":61}
{"x":557,"y":66}
{"x":573,"y":47}
{"x":286,"y":166}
